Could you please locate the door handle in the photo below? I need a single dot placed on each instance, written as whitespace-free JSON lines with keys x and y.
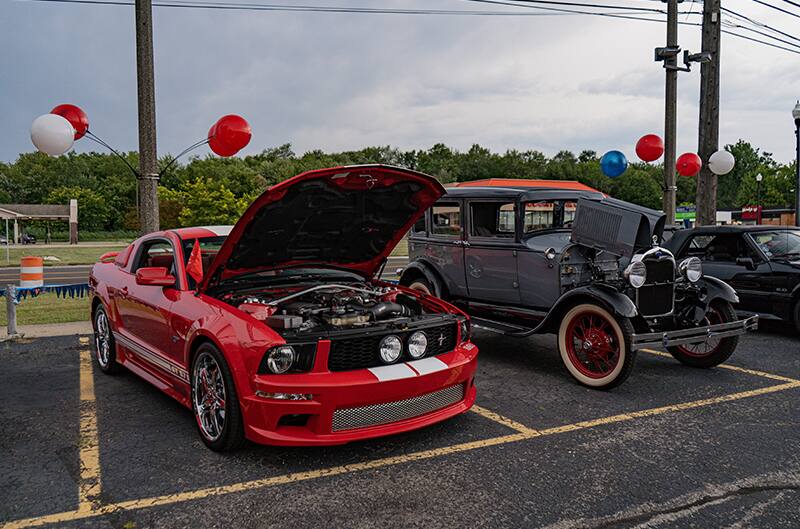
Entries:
{"x":123,"y":292}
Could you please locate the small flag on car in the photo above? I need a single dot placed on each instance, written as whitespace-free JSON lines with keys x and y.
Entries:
{"x":195,"y":265}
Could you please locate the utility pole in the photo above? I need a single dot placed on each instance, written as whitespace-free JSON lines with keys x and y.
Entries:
{"x":670,"y":111}
{"x":148,"y":156}
{"x":708,"y":137}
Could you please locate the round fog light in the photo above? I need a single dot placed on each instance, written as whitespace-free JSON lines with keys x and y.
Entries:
{"x":280,"y":359}
{"x":391,"y":347}
{"x":417,"y":344}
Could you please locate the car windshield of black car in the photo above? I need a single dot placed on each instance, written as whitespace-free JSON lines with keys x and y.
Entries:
{"x":776,"y":244}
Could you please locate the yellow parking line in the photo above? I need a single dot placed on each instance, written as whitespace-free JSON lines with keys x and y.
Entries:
{"x":88,"y":441}
{"x":171,"y":499}
{"x":505,"y":421}
{"x":762,"y":374}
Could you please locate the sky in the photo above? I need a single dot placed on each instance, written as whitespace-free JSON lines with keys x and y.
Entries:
{"x":348,"y":81}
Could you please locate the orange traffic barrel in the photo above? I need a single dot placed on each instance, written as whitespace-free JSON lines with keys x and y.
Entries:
{"x":31,"y":272}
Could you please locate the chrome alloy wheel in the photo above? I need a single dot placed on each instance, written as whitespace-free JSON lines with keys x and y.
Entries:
{"x":102,"y":338}
{"x":208,"y":396}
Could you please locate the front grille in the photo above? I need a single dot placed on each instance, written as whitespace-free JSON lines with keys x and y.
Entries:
{"x":657,"y":296}
{"x":388,"y":412}
{"x":362,"y":352}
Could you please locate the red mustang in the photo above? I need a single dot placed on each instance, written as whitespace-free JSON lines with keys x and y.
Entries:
{"x":277,"y":330}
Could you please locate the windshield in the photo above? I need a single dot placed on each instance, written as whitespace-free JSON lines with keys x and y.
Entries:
{"x":777,"y":244}
{"x":209,"y":248}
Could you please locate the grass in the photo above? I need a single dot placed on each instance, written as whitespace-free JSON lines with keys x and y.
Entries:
{"x":401,"y":250}
{"x":73,"y":255}
{"x":47,"y":308}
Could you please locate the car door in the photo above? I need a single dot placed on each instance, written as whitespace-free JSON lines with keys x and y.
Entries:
{"x":491,"y":251}
{"x":444,"y":247}
{"x":721,"y":255}
{"x":145,"y":309}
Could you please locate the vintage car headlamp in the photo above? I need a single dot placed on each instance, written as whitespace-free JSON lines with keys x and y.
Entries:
{"x":280,"y":359}
{"x":391,"y":347}
{"x":691,"y":269}
{"x":417,"y":344}
{"x":636,"y":274}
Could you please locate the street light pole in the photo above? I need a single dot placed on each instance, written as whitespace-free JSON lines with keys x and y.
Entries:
{"x":759,"y":178}
{"x":796,"y":116}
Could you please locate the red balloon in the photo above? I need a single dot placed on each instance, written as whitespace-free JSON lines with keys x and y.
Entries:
{"x":219,"y":148}
{"x":233,"y":132}
{"x":650,"y":147}
{"x":76,"y":117}
{"x":688,"y":164}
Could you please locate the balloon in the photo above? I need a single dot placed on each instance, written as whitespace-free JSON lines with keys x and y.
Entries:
{"x":76,"y":117}
{"x":52,"y":134}
{"x":688,"y":164}
{"x":219,"y":149}
{"x":650,"y":147}
{"x":721,"y":162}
{"x":613,"y":163}
{"x":233,"y":132}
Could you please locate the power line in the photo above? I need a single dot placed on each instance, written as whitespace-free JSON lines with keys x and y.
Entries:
{"x":745,"y":28}
{"x":759,"y":24}
{"x":787,"y":1}
{"x":777,"y":8}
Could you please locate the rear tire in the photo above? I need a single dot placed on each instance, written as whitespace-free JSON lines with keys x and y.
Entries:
{"x":595,"y":346}
{"x":105,"y":347}
{"x":704,"y":355}
{"x":215,"y":403}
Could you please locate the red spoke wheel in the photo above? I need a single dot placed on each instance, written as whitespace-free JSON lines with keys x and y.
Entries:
{"x":595,"y":346}
{"x":712,"y":351}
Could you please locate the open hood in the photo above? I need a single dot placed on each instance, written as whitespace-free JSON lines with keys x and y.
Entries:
{"x":347,"y":217}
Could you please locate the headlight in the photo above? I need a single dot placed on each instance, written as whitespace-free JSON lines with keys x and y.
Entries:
{"x":280,"y":359}
{"x":464,"y":327}
{"x":691,"y":269}
{"x":636,"y":274}
{"x":391,"y":347}
{"x":417,"y":344}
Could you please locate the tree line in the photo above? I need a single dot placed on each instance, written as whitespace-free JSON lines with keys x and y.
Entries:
{"x":212,"y":190}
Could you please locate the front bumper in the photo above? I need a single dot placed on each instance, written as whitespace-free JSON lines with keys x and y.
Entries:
{"x":693,"y":335}
{"x":358,"y":393}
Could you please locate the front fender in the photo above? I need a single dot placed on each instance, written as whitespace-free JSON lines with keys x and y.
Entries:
{"x":618,"y":302}
{"x":718,"y":289}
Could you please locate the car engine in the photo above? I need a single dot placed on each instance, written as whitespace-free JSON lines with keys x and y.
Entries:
{"x":328,"y":307}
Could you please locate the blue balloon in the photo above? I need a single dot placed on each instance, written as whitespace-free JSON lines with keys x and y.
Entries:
{"x":613,"y":163}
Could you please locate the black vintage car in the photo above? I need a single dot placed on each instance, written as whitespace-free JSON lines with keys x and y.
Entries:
{"x":761,"y":262}
{"x":587,"y":267}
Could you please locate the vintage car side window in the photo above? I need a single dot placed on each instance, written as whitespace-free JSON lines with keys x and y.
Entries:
{"x":419,"y":226}
{"x":538,"y":216}
{"x":493,"y":219}
{"x":158,"y":253}
{"x":446,"y":219}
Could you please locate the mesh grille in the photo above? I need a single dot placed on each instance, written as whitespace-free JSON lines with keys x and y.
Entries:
{"x":652,"y":299}
{"x":362,"y":352}
{"x":388,"y":412}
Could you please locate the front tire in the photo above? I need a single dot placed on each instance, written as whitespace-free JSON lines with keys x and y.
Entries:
{"x":595,"y":346}
{"x":105,"y":347}
{"x":714,"y":351}
{"x":215,"y":402}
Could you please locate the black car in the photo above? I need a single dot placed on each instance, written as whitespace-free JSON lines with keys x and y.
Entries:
{"x":583,"y":266}
{"x":761,"y":262}
{"x":27,"y":238}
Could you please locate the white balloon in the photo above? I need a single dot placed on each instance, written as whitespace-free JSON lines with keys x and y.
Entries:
{"x":721,"y":162}
{"x":52,"y":134}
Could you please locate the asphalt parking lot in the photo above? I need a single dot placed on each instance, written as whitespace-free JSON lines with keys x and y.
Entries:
{"x":673,"y":447}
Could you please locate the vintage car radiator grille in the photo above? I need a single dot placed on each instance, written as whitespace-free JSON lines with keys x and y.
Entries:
{"x":358,"y":353}
{"x":657,"y":296}
{"x":388,"y":412}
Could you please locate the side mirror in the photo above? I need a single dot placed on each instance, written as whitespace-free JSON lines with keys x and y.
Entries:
{"x":155,"y":276}
{"x":746,"y":262}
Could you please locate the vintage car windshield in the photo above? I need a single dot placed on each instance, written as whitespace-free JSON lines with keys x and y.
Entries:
{"x":548,"y":215}
{"x":778,"y":244}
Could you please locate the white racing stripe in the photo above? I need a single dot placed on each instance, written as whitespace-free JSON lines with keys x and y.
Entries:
{"x":428,"y":365}
{"x":393,"y":372}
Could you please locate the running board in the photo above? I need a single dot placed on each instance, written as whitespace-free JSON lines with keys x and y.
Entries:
{"x":506,"y":329}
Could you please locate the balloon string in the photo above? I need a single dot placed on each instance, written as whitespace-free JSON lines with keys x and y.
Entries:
{"x":97,"y":140}
{"x":186,"y":150}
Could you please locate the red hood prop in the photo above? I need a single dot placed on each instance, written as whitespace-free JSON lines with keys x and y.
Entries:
{"x":346,"y":217}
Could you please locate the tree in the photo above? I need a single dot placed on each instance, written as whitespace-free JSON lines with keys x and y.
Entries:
{"x":636,"y":186}
{"x":207,"y":201}
{"x":92,"y":209}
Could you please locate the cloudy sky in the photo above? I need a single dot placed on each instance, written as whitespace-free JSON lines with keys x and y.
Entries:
{"x":346,"y":81}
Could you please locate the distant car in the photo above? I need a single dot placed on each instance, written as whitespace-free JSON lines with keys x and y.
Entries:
{"x":27,"y":238}
{"x":578,"y":264}
{"x":761,"y":262}
{"x":279,"y":330}
{"x":3,"y":239}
